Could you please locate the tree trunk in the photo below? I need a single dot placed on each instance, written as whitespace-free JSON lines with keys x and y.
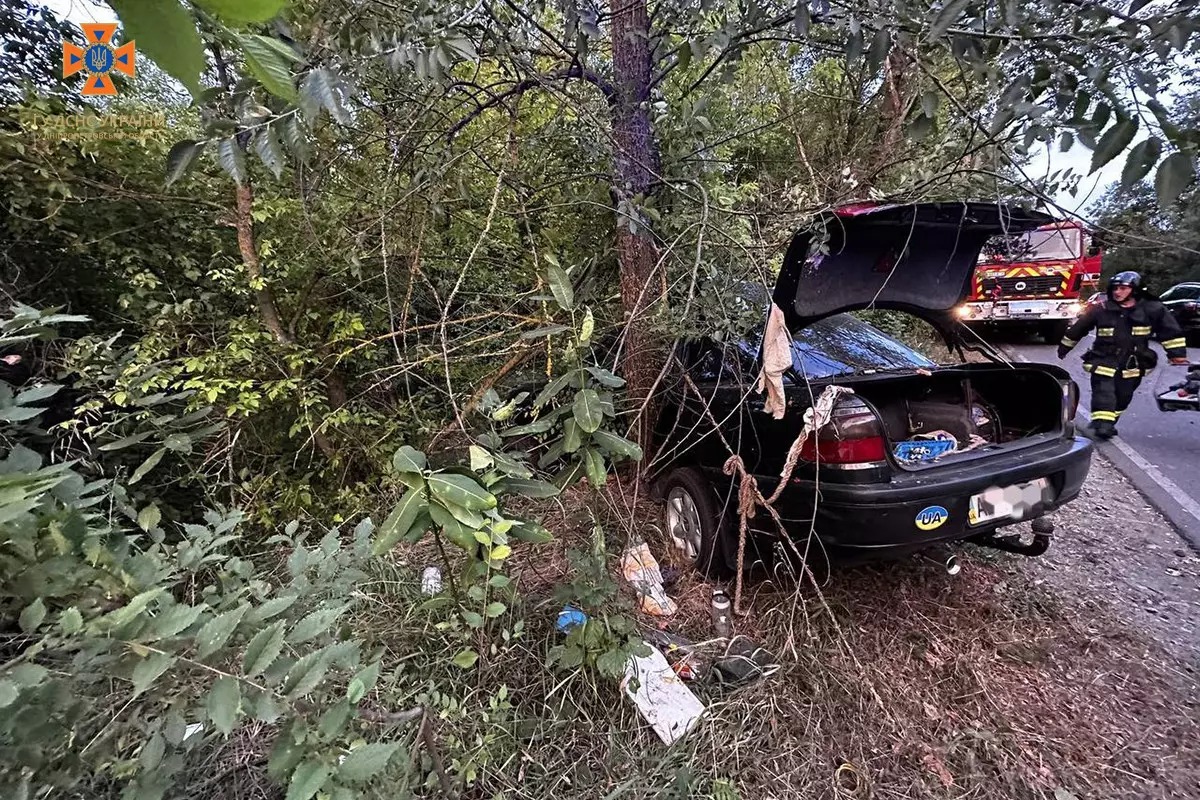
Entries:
{"x":635,"y":174}
{"x":267,"y":308}
{"x":262,"y":292}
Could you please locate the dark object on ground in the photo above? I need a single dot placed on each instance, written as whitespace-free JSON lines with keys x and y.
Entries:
{"x":744,"y":661}
{"x":1017,"y":455}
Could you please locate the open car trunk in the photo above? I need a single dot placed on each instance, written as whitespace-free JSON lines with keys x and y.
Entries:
{"x":957,"y":412}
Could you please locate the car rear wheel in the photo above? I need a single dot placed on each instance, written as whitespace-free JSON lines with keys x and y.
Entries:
{"x":695,"y":524}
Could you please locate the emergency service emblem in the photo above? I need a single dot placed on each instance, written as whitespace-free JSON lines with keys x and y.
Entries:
{"x":100,"y":59}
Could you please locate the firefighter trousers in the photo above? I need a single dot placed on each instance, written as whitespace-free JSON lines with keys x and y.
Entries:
{"x":1111,"y":395}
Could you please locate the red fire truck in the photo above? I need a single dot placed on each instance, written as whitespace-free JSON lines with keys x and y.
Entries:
{"x":1039,"y":279}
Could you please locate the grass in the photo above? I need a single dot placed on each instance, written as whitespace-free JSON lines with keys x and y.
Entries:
{"x":898,"y":682}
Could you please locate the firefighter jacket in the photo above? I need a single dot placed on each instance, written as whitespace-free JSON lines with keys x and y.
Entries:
{"x":1122,"y":345}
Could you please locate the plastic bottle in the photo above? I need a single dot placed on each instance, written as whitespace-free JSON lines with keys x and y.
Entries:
{"x":722,"y":619}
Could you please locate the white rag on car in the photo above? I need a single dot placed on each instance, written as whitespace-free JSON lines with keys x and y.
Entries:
{"x":777,"y":358}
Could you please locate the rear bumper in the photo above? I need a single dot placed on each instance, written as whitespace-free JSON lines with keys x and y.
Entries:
{"x":880,"y":520}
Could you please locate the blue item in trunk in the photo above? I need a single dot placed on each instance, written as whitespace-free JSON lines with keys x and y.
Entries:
{"x":922,"y":449}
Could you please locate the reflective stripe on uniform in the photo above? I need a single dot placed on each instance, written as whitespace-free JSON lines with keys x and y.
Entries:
{"x":1104,"y":416}
{"x":1130,"y":373}
{"x":1119,"y":413}
{"x":1141,"y":330}
{"x":1087,"y":367}
{"x":1068,"y":342}
{"x":1172,"y":344}
{"x":1107,"y":372}
{"x":1105,"y":331}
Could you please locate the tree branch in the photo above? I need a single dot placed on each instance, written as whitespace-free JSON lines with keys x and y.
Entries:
{"x":574,"y":71}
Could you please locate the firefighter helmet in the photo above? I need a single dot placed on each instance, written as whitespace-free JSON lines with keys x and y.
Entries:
{"x":1128,"y":278}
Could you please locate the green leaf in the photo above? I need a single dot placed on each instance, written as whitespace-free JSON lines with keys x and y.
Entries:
{"x":322,"y":89}
{"x":33,"y":616}
{"x":307,"y":780}
{"x":480,"y":458}
{"x":263,"y":649}
{"x":1114,"y":141}
{"x":548,"y":330}
{"x":37,"y":394}
{"x":363,"y":682}
{"x":149,"y":517}
{"x":593,"y":463}
{"x":149,"y":669}
{"x":618,"y":445}
{"x":1175,"y":174}
{"x":946,"y":17}
{"x":152,"y":752}
{"x":466,"y":659}
{"x":587,"y":410}
{"x":176,"y":619}
{"x":452,"y":528}
{"x":572,"y":438}
{"x":533,"y":532}
{"x":71,"y":621}
{"x":150,"y":463}
{"x":244,"y":10}
{"x":1141,"y":160}
{"x":232,"y":159}
{"x":269,"y":66}
{"x":271,"y":608}
{"x":334,"y":720}
{"x":537,"y":426}
{"x":8,"y":693}
{"x":181,"y":157}
{"x":606,"y":378}
{"x":398,"y":523}
{"x":560,"y":287}
{"x":461,"y":490}
{"x":408,"y":459}
{"x":223,"y":703}
{"x":316,"y":623}
{"x":128,"y":441}
{"x":474,"y":619}
{"x":587,"y":328}
{"x":495,"y":609}
{"x":366,"y":762}
{"x":530,"y":487}
{"x":552,"y":389}
{"x":166,"y":34}
{"x":216,"y":632}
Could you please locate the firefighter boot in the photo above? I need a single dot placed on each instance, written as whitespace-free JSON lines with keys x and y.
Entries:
{"x":1103,"y":429}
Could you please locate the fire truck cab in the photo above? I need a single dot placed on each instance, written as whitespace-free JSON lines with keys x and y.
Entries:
{"x":1038,"y":280}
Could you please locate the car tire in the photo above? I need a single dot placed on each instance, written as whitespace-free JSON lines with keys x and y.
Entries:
{"x":701,"y":528}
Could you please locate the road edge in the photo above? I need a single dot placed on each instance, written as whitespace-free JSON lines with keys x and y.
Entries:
{"x":1160,"y":492}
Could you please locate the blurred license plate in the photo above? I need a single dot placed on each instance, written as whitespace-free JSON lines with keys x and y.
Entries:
{"x":1008,"y":502}
{"x":1036,"y":308}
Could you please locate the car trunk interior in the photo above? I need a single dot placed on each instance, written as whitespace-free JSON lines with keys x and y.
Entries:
{"x":973,"y":410}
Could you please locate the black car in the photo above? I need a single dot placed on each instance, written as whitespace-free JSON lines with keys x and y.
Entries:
{"x":1183,"y":300}
{"x":875,"y":482}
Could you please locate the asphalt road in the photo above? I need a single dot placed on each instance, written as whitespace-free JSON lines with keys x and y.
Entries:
{"x":1160,"y":452}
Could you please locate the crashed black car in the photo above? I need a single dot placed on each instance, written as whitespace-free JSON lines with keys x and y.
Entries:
{"x":919,"y":454}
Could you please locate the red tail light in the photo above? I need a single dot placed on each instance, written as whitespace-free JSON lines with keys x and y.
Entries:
{"x":853,"y":436}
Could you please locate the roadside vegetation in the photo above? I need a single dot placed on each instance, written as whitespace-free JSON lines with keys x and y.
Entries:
{"x":331,"y":293}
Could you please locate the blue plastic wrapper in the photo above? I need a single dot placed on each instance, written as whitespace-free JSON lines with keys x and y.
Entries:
{"x":570,"y":617}
{"x":923,"y":449}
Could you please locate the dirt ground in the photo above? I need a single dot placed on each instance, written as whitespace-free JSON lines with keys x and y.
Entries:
{"x":1115,"y":554}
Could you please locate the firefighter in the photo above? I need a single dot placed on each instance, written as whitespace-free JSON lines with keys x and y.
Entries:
{"x":1121,"y":356}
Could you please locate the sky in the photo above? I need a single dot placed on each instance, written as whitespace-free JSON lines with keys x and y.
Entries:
{"x":1044,"y":161}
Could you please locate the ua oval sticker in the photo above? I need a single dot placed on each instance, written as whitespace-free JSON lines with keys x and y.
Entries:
{"x":931,"y":517}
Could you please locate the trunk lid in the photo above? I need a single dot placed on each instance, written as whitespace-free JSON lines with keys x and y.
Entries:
{"x":918,"y":258}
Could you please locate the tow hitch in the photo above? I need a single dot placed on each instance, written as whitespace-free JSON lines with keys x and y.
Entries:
{"x":1042,"y":530}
